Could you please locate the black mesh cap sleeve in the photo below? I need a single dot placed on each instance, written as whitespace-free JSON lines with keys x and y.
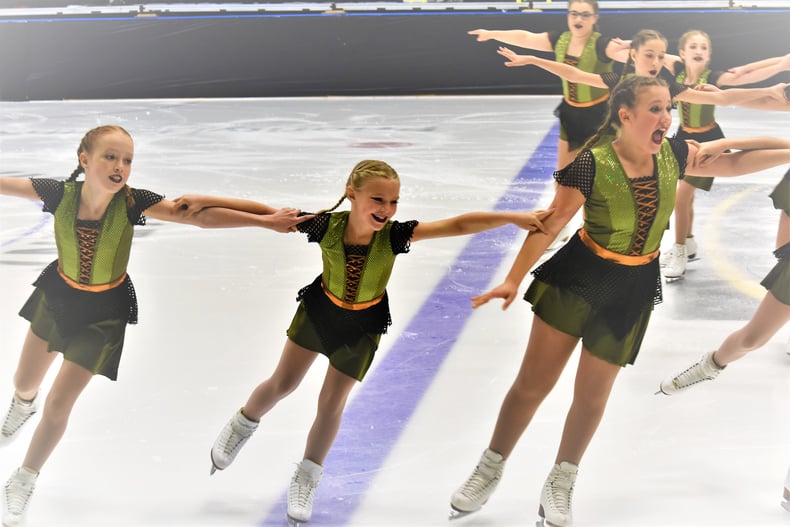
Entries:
{"x":50,"y":191}
{"x":610,"y":78}
{"x":579,"y":174}
{"x":400,"y":235}
{"x":142,"y":199}
{"x":315,"y":227}
{"x":600,"y":48}
{"x":681,"y":150}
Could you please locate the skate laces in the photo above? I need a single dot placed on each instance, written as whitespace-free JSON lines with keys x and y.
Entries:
{"x":18,"y":414}
{"x":560,"y":490}
{"x":484,"y":477}
{"x":18,"y":491}
{"x":302,"y":490}
{"x":701,"y":371}
{"x":239,"y":432}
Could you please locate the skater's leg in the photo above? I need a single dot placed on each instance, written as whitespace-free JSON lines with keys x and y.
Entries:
{"x":294,"y":363}
{"x":69,"y":383}
{"x":684,"y":211}
{"x":34,"y":361}
{"x":769,"y":318}
{"x":594,"y":380}
{"x":331,"y":403}
{"x":548,"y":350}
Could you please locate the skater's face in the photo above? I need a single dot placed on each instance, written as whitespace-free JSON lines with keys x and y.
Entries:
{"x":647,"y":122}
{"x":648,"y":59}
{"x":375,"y":202}
{"x":696,"y":51}
{"x":109,"y":162}
{"x":581,"y":18}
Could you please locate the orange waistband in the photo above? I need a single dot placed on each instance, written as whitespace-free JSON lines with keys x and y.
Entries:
{"x":358,"y":306}
{"x":98,"y":288}
{"x":587,"y":104}
{"x":701,"y":129}
{"x":606,"y":254}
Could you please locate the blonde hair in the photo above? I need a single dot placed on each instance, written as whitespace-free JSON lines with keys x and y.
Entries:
{"x":688,"y":34}
{"x":624,"y":94}
{"x":362,"y":173}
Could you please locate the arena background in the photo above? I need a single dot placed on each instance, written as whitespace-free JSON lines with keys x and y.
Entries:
{"x":180,"y":50}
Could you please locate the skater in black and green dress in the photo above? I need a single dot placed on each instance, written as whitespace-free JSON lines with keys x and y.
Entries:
{"x":83,"y":301}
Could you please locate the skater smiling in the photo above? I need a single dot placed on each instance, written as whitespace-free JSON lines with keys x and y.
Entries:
{"x":601,"y":287}
{"x":83,"y":301}
{"x":343,"y":313}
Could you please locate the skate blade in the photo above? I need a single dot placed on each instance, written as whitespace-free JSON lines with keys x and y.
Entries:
{"x":294,"y":522}
{"x":671,"y":279}
{"x":455,"y":514}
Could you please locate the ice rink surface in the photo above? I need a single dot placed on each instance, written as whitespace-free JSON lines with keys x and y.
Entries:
{"x":214,"y":306}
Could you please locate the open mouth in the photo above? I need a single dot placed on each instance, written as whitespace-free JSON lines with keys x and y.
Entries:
{"x":578,"y":26}
{"x":379,"y":219}
{"x":653,"y":73}
{"x":698,"y":59}
{"x":116,"y":178}
{"x":658,"y":136}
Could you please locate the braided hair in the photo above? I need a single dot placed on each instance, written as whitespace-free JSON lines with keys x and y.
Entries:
{"x":362,"y":172}
{"x":624,"y":94}
{"x":86,"y":145}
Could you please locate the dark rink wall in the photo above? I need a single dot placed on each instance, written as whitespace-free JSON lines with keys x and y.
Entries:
{"x":313,"y":54}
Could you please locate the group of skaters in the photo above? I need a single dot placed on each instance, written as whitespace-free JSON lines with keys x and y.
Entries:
{"x":600,"y":287}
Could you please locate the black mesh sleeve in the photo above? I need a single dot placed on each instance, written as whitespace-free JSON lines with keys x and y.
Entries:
{"x":142,"y":200}
{"x":681,"y":150}
{"x":400,"y":235}
{"x":50,"y":191}
{"x":579,"y":174}
{"x":315,"y":227}
{"x":610,"y":78}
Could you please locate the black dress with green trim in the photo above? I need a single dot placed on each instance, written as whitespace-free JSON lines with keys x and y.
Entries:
{"x":354,"y":275}
{"x":608,"y":304}
{"x":777,"y":281}
{"x":87,"y":326}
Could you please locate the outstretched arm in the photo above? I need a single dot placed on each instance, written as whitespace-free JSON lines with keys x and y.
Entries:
{"x":215,"y":216}
{"x":18,"y":187}
{"x":474,"y":222}
{"x":706,"y":94}
{"x":515,"y":37}
{"x":754,"y":71}
{"x":567,"y":202}
{"x":755,"y":153}
{"x":565,"y":71}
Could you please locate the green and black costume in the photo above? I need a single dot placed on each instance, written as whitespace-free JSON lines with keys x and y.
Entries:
{"x":84,"y":299}
{"x":344,"y":312}
{"x":777,"y":281}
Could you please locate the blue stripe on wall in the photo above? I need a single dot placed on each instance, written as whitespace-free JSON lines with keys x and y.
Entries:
{"x":376,"y":417}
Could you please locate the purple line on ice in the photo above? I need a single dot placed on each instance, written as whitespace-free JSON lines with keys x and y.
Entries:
{"x":388,"y":397}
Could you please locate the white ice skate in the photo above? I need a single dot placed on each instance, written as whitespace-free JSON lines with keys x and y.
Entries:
{"x":675,"y":266}
{"x":555,"y":499}
{"x":19,"y":412}
{"x":301,"y":492}
{"x":474,"y":493}
{"x":703,"y":370}
{"x":786,"y":495}
{"x":16,"y":496}
{"x":691,"y":248}
{"x":234,"y":434}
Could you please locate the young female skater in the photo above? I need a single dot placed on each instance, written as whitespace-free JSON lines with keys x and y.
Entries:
{"x":343,"y":313}
{"x":583,"y":107}
{"x":698,"y":122}
{"x":83,"y":301}
{"x":601,"y":286}
{"x":771,"y":315}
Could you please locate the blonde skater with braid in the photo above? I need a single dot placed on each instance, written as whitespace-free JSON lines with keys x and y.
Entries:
{"x":599,"y":288}
{"x":343,"y":313}
{"x":83,"y":301}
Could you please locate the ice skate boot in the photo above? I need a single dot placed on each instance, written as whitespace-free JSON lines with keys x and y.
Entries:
{"x":555,"y":499}
{"x":691,"y":248}
{"x":703,"y":370}
{"x":230,"y":440}
{"x":786,"y":496}
{"x":676,"y":266}
{"x":474,"y":493}
{"x":16,"y":496}
{"x":301,"y":492}
{"x":18,"y":414}
{"x":666,"y":256}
